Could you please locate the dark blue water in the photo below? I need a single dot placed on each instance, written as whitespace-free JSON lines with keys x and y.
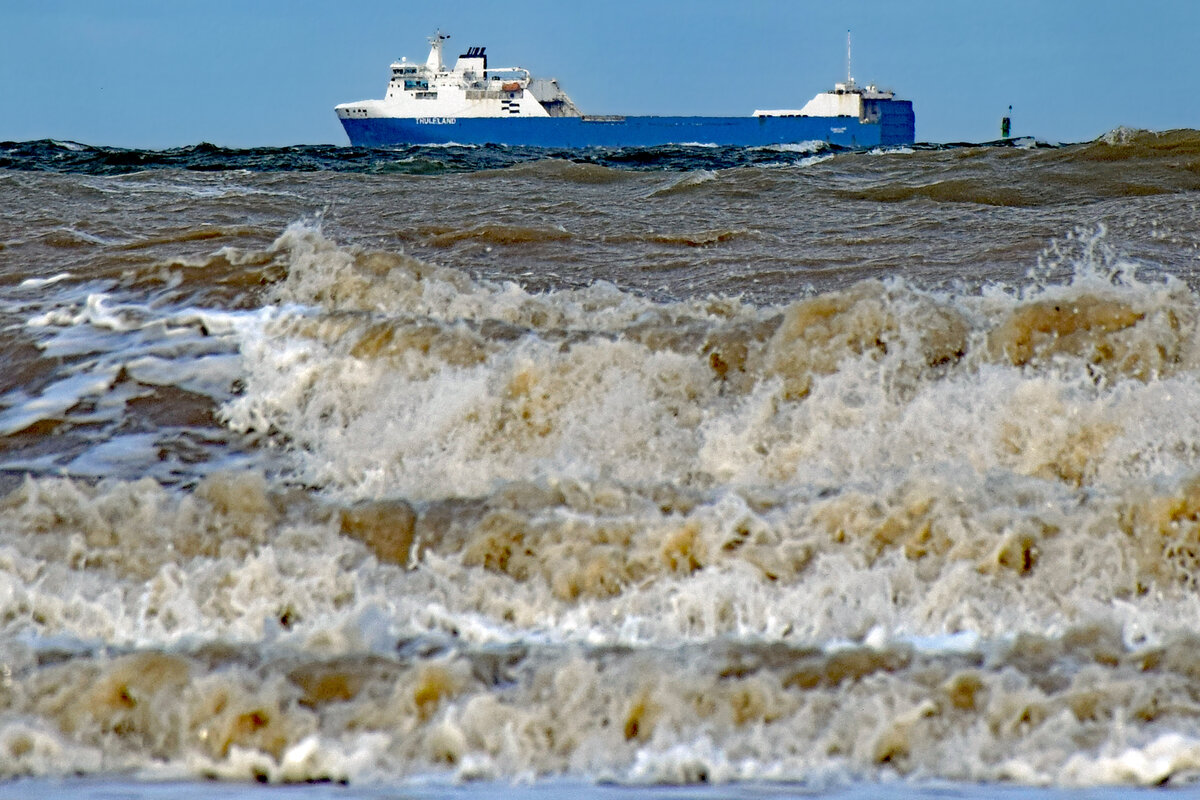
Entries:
{"x":54,"y":156}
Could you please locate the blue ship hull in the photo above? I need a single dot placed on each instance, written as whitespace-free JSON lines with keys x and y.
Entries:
{"x":896,"y":126}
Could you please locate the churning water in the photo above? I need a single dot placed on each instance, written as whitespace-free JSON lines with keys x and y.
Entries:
{"x":787,"y":467}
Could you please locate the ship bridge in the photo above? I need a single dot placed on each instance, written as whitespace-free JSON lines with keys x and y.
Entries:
{"x":471,"y":89}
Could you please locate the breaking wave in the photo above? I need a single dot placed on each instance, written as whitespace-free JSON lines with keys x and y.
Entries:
{"x":356,"y":503}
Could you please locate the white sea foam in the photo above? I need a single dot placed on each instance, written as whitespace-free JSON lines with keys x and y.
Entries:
{"x":620,"y":414}
{"x":813,"y":146}
{"x":95,"y":311}
{"x":812,"y":160}
{"x":688,"y":180}
{"x":878,"y":531}
{"x":54,"y":400}
{"x":116,"y":455}
{"x":1147,"y":765}
{"x":38,"y":283}
{"x":210,"y":375}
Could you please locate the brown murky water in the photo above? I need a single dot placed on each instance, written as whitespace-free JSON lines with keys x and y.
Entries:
{"x":820,"y":467}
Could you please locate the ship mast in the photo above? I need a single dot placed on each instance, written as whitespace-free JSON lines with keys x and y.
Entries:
{"x":849,"y":77}
{"x":434,"y":62}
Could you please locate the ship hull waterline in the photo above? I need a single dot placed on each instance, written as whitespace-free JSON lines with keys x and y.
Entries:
{"x":897,"y":128}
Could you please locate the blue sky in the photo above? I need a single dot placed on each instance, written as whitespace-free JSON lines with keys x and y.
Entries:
{"x":161,"y":73}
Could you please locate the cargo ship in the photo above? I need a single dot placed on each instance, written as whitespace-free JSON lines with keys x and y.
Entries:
{"x":426,"y":103}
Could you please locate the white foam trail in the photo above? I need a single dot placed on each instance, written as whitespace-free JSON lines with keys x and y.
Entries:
{"x":54,"y":400}
{"x":95,"y":312}
{"x":38,"y":283}
{"x":813,"y":160}
{"x":116,"y":456}
{"x":688,"y":180}
{"x":210,"y":375}
{"x":812,"y":146}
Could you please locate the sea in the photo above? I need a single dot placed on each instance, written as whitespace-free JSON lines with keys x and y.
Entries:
{"x":681,"y":472}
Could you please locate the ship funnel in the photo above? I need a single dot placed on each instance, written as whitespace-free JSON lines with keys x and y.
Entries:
{"x":473,"y":62}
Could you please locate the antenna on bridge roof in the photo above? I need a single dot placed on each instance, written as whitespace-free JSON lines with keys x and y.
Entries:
{"x":849,"y":77}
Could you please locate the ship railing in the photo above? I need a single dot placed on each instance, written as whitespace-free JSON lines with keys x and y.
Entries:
{"x":508,"y":70}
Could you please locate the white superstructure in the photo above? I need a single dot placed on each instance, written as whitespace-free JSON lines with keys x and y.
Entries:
{"x":846,"y":99}
{"x":470,"y":89}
